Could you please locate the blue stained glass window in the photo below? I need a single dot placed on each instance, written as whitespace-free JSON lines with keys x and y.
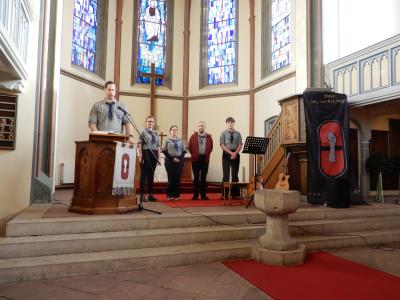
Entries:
{"x":84,"y":34}
{"x":221,"y":41}
{"x":280,"y":34}
{"x":152,"y":39}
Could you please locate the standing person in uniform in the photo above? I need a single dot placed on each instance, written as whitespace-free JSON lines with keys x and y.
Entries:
{"x":200,"y":147}
{"x":174,"y":150}
{"x":106,"y":114}
{"x":148,"y":155}
{"x":231,"y":144}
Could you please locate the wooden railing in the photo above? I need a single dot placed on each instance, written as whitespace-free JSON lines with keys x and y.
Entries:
{"x":287,"y":135}
{"x":368,"y":75}
{"x":274,"y":141}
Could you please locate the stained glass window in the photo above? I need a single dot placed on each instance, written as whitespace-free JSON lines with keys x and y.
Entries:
{"x":221,"y":41}
{"x":280,"y":34}
{"x":151,"y":39}
{"x":84,"y":34}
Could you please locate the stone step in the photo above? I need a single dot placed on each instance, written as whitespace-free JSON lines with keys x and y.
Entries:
{"x":349,"y":239}
{"x":86,"y":224}
{"x":360,"y":211}
{"x":138,"y":221}
{"x":145,"y":238}
{"x":43,"y":267}
{"x":332,"y":226}
{"x":52,"y":266}
{"x":15,"y":247}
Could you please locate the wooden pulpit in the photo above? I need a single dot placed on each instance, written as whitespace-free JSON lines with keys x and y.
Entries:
{"x":94,"y":170}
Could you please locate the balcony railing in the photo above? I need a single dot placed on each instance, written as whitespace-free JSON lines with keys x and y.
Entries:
{"x":274,"y":141}
{"x":369,"y":75}
{"x":15,"y":19}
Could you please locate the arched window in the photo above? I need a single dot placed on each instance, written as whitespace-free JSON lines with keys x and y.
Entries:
{"x":219,"y":42}
{"x":276,"y":35}
{"x":152,"y":33}
{"x":268,"y":123}
{"x":89,"y":24}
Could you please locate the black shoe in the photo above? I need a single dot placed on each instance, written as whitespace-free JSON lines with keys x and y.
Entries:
{"x":205,"y":197}
{"x":195,"y":197}
{"x":152,"y":199}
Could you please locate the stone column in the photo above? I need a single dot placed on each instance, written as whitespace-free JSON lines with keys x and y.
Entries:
{"x":314,"y":44}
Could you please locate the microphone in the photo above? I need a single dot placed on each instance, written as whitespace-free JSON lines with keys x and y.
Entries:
{"x":123,"y":110}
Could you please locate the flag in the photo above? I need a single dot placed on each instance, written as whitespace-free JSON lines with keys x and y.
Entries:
{"x":124,"y":169}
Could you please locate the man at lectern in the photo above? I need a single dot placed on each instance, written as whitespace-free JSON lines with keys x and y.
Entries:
{"x":110,"y":115}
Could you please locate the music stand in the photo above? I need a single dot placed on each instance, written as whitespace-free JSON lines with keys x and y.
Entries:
{"x":255,"y":145}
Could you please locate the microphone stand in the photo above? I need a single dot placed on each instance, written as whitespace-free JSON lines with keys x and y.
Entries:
{"x":130,"y":119}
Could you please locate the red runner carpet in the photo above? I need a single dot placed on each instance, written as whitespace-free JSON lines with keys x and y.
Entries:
{"x":186,"y":201}
{"x":323,"y":276}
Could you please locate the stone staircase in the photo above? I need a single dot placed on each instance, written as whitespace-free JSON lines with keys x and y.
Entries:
{"x":38,"y":248}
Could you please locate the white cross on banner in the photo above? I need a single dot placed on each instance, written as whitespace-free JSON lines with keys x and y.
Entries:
{"x":124,"y":169}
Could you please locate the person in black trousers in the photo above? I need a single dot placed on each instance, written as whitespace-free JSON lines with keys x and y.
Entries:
{"x":174,"y":150}
{"x":148,"y":152}
{"x":231,"y":144}
{"x":200,"y":146}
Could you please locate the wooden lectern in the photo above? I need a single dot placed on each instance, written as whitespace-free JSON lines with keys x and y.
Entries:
{"x":94,"y":170}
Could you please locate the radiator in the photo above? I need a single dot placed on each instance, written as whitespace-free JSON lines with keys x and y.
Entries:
{"x":66,"y":173}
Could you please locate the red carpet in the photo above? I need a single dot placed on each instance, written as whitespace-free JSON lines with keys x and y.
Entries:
{"x":186,"y":201}
{"x":323,"y":276}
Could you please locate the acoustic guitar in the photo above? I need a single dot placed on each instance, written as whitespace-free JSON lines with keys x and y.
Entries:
{"x":283,"y":179}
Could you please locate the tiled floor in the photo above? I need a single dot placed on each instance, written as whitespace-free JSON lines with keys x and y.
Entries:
{"x":208,"y":281}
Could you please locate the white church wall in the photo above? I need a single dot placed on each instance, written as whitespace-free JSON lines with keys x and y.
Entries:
{"x":75,"y":102}
{"x":76,"y":96}
{"x":349,"y":26}
{"x":169,"y":112}
{"x":287,"y":81}
{"x":300,"y":39}
{"x":139,"y":108}
{"x":266,"y":104}
{"x":16,"y":165}
{"x":214,"y":111}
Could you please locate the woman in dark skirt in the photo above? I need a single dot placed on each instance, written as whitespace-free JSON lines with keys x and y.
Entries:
{"x":174,"y":150}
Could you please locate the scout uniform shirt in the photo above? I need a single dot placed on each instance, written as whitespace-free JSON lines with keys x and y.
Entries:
{"x":151,"y":139}
{"x":107,"y":117}
{"x":231,"y":139}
